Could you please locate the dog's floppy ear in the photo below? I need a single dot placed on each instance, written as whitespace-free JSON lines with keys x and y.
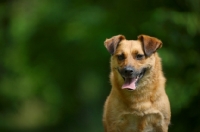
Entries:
{"x":150,"y":44}
{"x":112,"y":43}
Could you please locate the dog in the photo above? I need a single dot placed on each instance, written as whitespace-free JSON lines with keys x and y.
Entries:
{"x":137,"y":101}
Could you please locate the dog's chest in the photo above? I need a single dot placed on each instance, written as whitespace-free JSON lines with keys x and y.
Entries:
{"x":133,"y":123}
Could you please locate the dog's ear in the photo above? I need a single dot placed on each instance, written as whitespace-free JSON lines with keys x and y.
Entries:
{"x":150,"y":44}
{"x":112,"y":43}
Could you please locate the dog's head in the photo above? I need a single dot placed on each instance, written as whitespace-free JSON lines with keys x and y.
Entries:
{"x":132,"y":59}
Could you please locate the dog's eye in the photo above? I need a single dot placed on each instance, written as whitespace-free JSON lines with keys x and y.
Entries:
{"x":139,"y":56}
{"x":121,"y":57}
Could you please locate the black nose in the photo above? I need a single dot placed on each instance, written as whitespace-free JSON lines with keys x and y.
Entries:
{"x":128,"y":71}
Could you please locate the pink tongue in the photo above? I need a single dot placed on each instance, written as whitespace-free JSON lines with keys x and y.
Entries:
{"x":129,"y":83}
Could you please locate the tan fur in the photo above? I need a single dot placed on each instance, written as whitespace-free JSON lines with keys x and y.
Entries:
{"x":145,"y":109}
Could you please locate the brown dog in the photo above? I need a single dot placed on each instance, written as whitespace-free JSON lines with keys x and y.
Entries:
{"x":137,"y":101}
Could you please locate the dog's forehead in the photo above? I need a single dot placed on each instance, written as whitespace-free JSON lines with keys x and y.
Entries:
{"x":130,"y":46}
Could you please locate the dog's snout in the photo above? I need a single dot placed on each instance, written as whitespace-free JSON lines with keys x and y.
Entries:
{"x":128,"y":70}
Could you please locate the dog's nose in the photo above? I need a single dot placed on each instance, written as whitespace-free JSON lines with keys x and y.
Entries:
{"x":128,"y":71}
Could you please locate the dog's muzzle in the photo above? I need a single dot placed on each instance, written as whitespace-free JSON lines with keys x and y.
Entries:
{"x":131,"y":77}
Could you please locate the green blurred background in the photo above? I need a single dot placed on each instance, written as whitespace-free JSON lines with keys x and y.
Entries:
{"x":54,"y":67}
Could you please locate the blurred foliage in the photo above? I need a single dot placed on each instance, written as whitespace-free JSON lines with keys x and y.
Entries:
{"x":54,"y":67}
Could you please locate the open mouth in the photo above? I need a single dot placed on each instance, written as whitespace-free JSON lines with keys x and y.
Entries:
{"x":130,"y":83}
